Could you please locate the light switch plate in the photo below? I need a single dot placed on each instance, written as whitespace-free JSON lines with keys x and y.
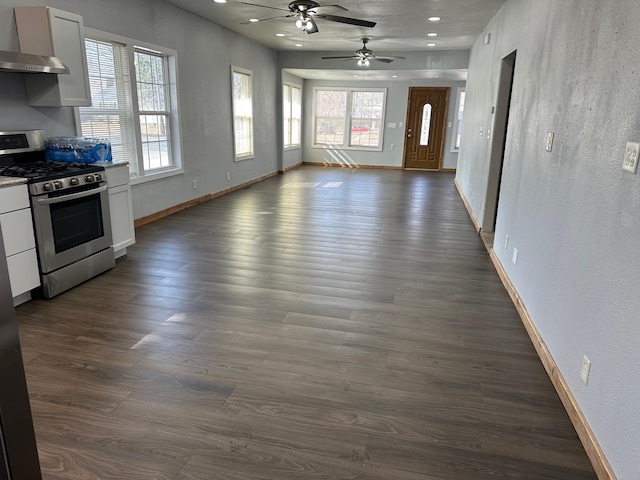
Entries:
{"x":514,"y":258}
{"x":549,"y":145}
{"x":584,"y":371}
{"x":630,"y":163}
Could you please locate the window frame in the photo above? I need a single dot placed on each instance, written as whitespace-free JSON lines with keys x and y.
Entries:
{"x":457,"y":121}
{"x":173,"y":100}
{"x":349,"y":119}
{"x":297,"y":142}
{"x":252,"y":154}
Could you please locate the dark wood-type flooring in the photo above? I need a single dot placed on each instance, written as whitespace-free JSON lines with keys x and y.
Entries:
{"x":324,"y":324}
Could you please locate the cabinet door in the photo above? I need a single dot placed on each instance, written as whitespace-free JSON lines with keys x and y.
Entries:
{"x":23,"y":272}
{"x":121,"y":217}
{"x":67,"y":37}
{"x":17,"y":231}
{"x":13,"y":198}
{"x":49,"y":31}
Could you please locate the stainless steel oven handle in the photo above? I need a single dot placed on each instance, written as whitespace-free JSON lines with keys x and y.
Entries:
{"x":71,"y":196}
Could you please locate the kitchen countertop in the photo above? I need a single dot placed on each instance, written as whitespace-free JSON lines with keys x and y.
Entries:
{"x":11,"y":181}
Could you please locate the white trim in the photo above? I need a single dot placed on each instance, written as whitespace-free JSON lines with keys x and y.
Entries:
{"x":348,"y":118}
{"x":173,"y":100}
{"x":293,"y":85}
{"x":249,"y":156}
{"x":456,"y":122}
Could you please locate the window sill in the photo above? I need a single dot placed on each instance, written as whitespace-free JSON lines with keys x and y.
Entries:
{"x":293,"y":147}
{"x":331,"y":146}
{"x":156,"y":176}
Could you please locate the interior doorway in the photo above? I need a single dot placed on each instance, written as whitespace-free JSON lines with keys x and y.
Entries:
{"x":426,"y":127}
{"x":496,"y":159}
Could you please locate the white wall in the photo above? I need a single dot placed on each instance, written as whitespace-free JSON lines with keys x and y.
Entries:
{"x":205,"y":55}
{"x":573,"y":214}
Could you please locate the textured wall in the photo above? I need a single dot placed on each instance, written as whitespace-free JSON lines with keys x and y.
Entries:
{"x":205,"y":55}
{"x":573,"y":214}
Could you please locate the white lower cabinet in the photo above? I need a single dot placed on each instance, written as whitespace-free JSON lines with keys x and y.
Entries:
{"x":121,"y":208}
{"x":19,"y":241}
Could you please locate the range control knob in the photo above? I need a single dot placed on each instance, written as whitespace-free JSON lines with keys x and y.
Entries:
{"x":98,"y":177}
{"x":74,"y":181}
{"x":57,"y":184}
{"x":90,"y":178}
{"x":47,"y":187}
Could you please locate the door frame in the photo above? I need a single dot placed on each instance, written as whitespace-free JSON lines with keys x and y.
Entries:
{"x":444,"y":126}
{"x":498,"y":143}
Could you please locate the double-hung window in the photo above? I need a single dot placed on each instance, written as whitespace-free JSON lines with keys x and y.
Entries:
{"x":292,"y":114}
{"x":134,"y":104}
{"x":242,"y":95}
{"x":351,"y":118}
{"x":457,"y":121}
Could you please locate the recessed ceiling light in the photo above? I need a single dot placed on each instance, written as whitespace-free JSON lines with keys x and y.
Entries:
{"x":297,"y":45}
{"x":279,"y":34}
{"x":434,"y":19}
{"x":432,"y":34}
{"x":254,"y":20}
{"x":355,"y":76}
{"x":220,"y":1}
{"x":394,"y":76}
{"x":431,"y":44}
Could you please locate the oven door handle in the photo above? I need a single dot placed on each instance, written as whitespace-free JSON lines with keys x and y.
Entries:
{"x":71,"y":196}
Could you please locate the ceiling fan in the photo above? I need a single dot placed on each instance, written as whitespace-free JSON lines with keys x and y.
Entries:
{"x":364,"y":56}
{"x":306,"y":11}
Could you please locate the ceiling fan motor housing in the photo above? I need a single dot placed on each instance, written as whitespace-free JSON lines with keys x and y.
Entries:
{"x":301,"y":6}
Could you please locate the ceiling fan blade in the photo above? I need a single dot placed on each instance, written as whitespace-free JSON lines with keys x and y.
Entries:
{"x":388,"y":57}
{"x":321,"y":8}
{"x":266,"y":6}
{"x":347,"y":20}
{"x":314,"y":26}
{"x":381,"y":59}
{"x":339,"y":58}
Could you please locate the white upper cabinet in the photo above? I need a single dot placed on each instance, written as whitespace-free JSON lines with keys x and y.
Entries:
{"x":52,"y":32}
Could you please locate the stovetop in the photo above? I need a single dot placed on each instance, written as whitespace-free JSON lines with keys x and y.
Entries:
{"x":48,"y":170}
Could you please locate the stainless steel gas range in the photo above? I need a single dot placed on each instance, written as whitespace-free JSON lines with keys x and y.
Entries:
{"x":70,"y":207}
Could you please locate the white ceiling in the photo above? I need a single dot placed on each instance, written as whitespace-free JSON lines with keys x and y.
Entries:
{"x":402,"y":26}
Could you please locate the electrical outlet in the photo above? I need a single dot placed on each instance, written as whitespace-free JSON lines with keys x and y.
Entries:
{"x":481,"y":131}
{"x":549,"y":145}
{"x":195,"y":184}
{"x":514,"y":259}
{"x":506,"y":242}
{"x":630,"y":163}
{"x":228,"y":176}
{"x":584,"y":371}
{"x":393,"y":145}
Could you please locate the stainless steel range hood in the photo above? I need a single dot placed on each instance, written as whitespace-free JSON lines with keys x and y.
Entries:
{"x":28,"y":63}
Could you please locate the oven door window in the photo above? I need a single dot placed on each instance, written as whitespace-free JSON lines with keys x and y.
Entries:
{"x":76,"y":222}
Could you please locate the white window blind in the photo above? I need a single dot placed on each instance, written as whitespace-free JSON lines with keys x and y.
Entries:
{"x":110,"y":115}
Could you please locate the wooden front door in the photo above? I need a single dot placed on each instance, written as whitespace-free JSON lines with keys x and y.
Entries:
{"x":426,"y":127}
